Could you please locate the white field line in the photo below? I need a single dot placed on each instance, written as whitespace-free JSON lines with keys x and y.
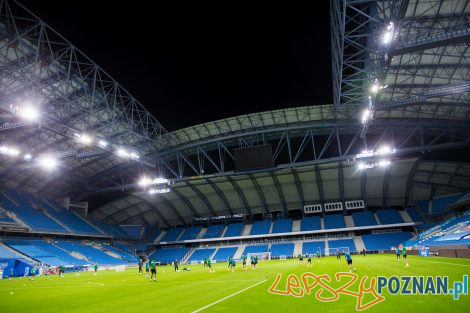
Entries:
{"x":227,"y":297}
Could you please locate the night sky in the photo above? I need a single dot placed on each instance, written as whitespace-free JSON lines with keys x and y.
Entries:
{"x":195,"y":62}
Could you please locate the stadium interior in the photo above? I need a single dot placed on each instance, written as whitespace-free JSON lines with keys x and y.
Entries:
{"x":89,"y":176}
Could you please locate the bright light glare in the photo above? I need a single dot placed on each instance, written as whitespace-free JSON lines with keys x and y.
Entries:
{"x":384,"y":163}
{"x":374,"y":88}
{"x":9,"y":151}
{"x":365,"y":154}
{"x":48,"y":162}
{"x":145,"y":181}
{"x":384,"y":150}
{"x":134,"y":155}
{"x":387,"y":37}
{"x":84,"y":138}
{"x":102,"y":143}
{"x":27,"y":157}
{"x":161,"y":190}
{"x":28,"y":112}
{"x":366,"y":115}
{"x":122,"y":153}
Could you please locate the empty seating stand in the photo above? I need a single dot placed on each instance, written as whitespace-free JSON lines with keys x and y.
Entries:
{"x":172,"y":234}
{"x":168,"y":255}
{"x":191,"y":233}
{"x":201,"y":254}
{"x":385,"y":241}
{"x":442,"y":204}
{"x":334,"y":221}
{"x":363,"y":219}
{"x":282,"y":226}
{"x":342,"y":243}
{"x":214,"y":231}
{"x":415,"y":216}
{"x":281,"y":249}
{"x":260,"y":228}
{"x":234,"y":230}
{"x":310,"y":223}
{"x":255,"y":249}
{"x":311,"y":247}
{"x":389,"y":216}
{"x":93,"y":255}
{"x":223,"y":254}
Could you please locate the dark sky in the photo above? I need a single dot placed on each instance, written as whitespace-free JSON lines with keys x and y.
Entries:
{"x":199,"y":61}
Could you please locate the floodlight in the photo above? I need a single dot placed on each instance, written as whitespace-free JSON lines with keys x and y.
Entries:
{"x":361,"y":166}
{"x":27,"y":157}
{"x":384,"y":150}
{"x":84,"y":138}
{"x":134,"y":155}
{"x":374,"y":88}
{"x":387,"y":37}
{"x":10,"y":151}
{"x":48,"y":162}
{"x":365,"y":154}
{"x":102,"y":143}
{"x":366,"y":115}
{"x":122,"y":153}
{"x":145,"y":181}
{"x":28,"y":112}
{"x":384,"y":163}
{"x":161,"y":190}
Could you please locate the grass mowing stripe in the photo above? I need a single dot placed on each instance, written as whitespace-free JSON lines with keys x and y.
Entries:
{"x":228,"y":297}
{"x":467,"y":265}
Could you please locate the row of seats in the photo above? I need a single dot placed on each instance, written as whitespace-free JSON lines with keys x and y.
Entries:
{"x":309,"y":223}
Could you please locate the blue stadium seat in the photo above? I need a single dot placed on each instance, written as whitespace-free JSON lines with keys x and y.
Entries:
{"x":342,"y":243}
{"x":279,"y":249}
{"x":214,"y":231}
{"x":191,"y":233}
{"x":168,"y":255}
{"x":311,"y":247}
{"x":282,"y":226}
{"x":93,"y":255}
{"x":172,"y":234}
{"x":223,"y":254}
{"x":200,"y":254}
{"x":255,"y":249}
{"x":441,"y":204}
{"x":334,"y":221}
{"x":310,"y":223}
{"x":415,"y":216}
{"x":133,"y":231}
{"x":389,"y":216}
{"x":364,"y":219}
{"x":8,"y":254}
{"x":234,"y":230}
{"x":260,"y":228}
{"x":385,"y":241}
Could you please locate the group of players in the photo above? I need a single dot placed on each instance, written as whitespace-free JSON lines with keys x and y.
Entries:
{"x":151,"y":264}
{"x":232,"y":263}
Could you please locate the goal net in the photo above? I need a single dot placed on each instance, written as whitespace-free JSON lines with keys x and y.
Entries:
{"x":262,"y":256}
{"x":333,"y":251}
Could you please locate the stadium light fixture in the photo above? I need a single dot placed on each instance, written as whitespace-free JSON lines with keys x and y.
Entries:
{"x":159,"y":190}
{"x":375,"y":88}
{"x":134,"y":155}
{"x":28,"y":112}
{"x":102,"y":143}
{"x":366,"y":115}
{"x":384,"y":163}
{"x":387,"y":36}
{"x":145,"y":181}
{"x":84,"y":138}
{"x":48,"y":162}
{"x":122,"y":153}
{"x":10,"y":151}
{"x":27,"y":157}
{"x":365,"y":154}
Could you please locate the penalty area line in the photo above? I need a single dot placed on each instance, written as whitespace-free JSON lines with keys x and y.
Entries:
{"x":227,"y":297}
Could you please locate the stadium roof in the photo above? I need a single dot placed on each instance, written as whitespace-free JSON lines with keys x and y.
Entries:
{"x":405,"y":63}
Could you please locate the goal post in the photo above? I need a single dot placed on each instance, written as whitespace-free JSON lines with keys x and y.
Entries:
{"x":262,"y":256}
{"x":332,"y":251}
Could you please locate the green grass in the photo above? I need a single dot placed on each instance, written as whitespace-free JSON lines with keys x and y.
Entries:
{"x":127,"y":291}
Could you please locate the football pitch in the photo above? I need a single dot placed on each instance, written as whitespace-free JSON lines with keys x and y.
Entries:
{"x":199,"y":290}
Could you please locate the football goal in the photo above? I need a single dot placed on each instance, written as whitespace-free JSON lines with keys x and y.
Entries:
{"x":262,"y":256}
